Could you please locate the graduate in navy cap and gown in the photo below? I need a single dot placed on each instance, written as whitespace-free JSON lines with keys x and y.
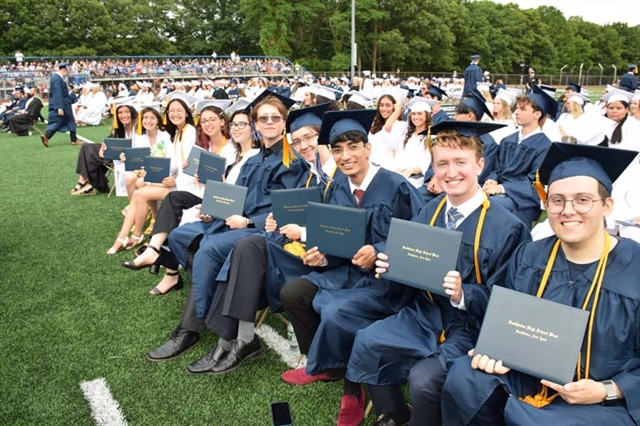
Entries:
{"x":347,"y":296}
{"x":585,"y":268}
{"x":510,"y":184}
{"x":277,"y":167}
{"x":438,"y":115}
{"x":629,"y":81}
{"x":241,"y":281}
{"x":60,"y":112}
{"x":472,"y":76}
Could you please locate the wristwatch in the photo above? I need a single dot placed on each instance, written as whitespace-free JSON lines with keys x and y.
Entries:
{"x":612,"y":396}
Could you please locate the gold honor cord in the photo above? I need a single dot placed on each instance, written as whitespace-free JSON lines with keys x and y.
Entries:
{"x":542,"y":399}
{"x":178,"y":137}
{"x":224,"y":143}
{"x":486,"y":205}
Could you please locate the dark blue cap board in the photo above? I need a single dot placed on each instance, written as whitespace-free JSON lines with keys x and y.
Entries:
{"x":311,"y":116}
{"x":477,"y":103}
{"x":564,"y":160}
{"x":546,"y":103}
{"x":335,"y":123}
{"x":288,"y":102}
{"x":574,"y":86}
{"x":464,"y":128}
{"x":437,"y":92}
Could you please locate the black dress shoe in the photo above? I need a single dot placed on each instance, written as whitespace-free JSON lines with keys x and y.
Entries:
{"x":239,"y":352}
{"x":388,"y":421}
{"x":205,"y":365}
{"x":179,"y":341}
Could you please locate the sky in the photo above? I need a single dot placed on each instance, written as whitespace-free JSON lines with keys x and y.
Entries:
{"x":597,"y":11}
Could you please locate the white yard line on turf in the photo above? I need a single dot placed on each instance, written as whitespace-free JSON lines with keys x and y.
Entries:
{"x":280,"y":345}
{"x":104,"y":409}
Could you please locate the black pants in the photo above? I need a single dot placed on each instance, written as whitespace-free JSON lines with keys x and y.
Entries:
{"x":243,"y":295}
{"x":297,"y":298}
{"x":170,"y":211}
{"x":92,"y":166}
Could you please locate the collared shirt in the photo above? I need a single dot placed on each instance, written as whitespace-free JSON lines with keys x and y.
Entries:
{"x":367,"y":179}
{"x":521,"y":137}
{"x":273,"y":149}
{"x":465,"y":209}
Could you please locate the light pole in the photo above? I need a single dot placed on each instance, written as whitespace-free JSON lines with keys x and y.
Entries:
{"x":354,"y":47}
{"x":562,"y":69}
{"x":601,"y":71}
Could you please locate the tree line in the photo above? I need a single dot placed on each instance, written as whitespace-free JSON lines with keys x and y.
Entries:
{"x":410,"y":35}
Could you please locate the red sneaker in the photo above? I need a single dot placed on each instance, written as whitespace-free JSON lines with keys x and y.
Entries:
{"x":299,"y":377}
{"x":351,"y":410}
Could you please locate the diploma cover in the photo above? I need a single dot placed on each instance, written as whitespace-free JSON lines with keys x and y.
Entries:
{"x":532,"y":335}
{"x":135,"y":158}
{"x":211,"y":167}
{"x":629,"y":222}
{"x":421,"y":255}
{"x":114,"y":147}
{"x":221,"y":200}
{"x":336,"y":230}
{"x":290,"y":205}
{"x":156,"y":169}
{"x":194,"y":161}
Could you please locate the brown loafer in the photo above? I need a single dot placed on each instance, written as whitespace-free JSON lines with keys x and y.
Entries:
{"x":45,"y":141}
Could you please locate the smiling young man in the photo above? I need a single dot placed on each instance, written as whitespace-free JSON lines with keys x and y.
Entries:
{"x":587,"y":269}
{"x":384,"y":358}
{"x":328,"y":306}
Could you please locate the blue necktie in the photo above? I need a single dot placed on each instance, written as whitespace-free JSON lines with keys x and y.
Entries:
{"x":453,"y":215}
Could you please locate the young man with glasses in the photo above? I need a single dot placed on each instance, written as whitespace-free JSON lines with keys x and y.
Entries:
{"x":317,"y":303}
{"x":585,"y":268}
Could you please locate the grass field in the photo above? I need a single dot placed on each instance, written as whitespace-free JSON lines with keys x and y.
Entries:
{"x":70,"y":313}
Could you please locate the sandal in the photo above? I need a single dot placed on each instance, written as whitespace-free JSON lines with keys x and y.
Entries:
{"x":134,"y":241}
{"x":85,"y":190}
{"x":125,"y":210}
{"x":149,"y":229}
{"x":123,"y":244}
{"x":179,"y":285}
{"x":79,"y":186}
{"x":132,"y":264}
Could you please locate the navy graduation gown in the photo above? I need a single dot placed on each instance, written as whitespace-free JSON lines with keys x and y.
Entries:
{"x":350,"y":298}
{"x":615,"y":352}
{"x":472,"y":76}
{"x":489,"y":153}
{"x":260,"y":176}
{"x":384,"y":352}
{"x":515,"y":169}
{"x":59,"y":99}
{"x":439,"y":117}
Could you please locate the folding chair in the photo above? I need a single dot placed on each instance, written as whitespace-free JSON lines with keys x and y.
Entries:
{"x":111,"y":172}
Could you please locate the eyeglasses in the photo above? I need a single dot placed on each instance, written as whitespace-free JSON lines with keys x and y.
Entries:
{"x":274,"y":119}
{"x":240,"y":125}
{"x":351,"y":149}
{"x":309,"y":139}
{"x":581,"y":204}
{"x":209,"y":121}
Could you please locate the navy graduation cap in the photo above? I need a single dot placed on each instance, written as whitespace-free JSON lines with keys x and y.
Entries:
{"x":288,"y":102}
{"x":546,"y":103}
{"x":574,"y":86}
{"x":564,"y":160}
{"x":311,"y":116}
{"x":464,"y":128}
{"x":335,"y":123}
{"x":437,"y":92}
{"x":477,"y":103}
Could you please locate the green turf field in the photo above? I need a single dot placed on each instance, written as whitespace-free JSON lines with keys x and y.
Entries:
{"x":70,"y":313}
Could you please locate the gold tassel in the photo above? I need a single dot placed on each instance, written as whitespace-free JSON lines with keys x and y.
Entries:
{"x":139,"y":125}
{"x":428,"y":140}
{"x":196,"y":118}
{"x":114,"y":116}
{"x":540,"y":188}
{"x":164,"y":118}
{"x":541,"y":399}
{"x":442,"y":337}
{"x":287,"y":153}
{"x":296,"y":248}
